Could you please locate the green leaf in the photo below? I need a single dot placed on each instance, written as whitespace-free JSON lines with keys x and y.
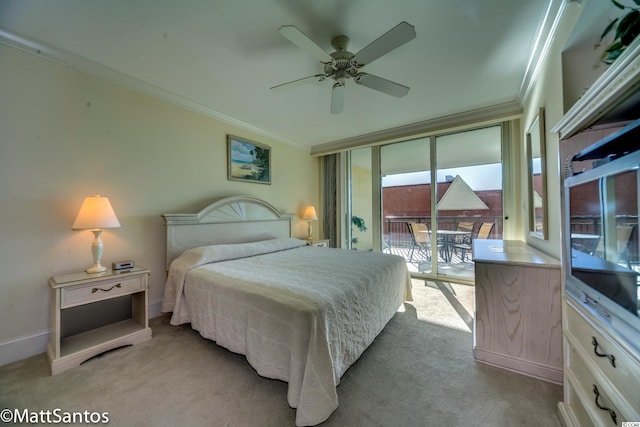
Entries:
{"x":609,"y":56}
{"x":628,"y":21}
{"x":615,"y":46}
{"x":637,"y":2}
{"x":608,"y":29}
{"x":359,"y":222}
{"x":618,"y":5}
{"x":614,"y":55}
{"x":629,"y":27}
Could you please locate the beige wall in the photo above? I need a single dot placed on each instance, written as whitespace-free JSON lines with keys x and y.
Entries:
{"x":65,"y":135}
{"x":547,"y":93}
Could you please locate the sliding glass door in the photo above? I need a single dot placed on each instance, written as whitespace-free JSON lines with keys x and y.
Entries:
{"x":469,"y":196}
{"x":406,"y":202}
{"x":430,"y":218}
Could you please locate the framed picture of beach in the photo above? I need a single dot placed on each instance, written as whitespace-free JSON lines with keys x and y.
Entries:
{"x":248,"y":161}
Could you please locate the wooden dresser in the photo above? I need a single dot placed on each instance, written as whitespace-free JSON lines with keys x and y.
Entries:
{"x":602,"y":373}
{"x":518,"y":324}
{"x":601,"y":349}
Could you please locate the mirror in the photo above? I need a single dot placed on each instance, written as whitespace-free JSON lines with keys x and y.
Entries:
{"x":535,"y":141}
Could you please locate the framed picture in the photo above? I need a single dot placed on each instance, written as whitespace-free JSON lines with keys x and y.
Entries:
{"x":248,"y":161}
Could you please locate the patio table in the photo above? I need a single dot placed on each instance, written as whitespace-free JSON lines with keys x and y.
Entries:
{"x":448,"y":241}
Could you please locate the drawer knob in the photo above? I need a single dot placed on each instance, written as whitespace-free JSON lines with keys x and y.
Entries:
{"x":612,"y":413}
{"x":611,"y":357}
{"x":94,"y":290}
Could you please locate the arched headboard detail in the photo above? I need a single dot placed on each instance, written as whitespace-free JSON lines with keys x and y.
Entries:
{"x":235,"y":219}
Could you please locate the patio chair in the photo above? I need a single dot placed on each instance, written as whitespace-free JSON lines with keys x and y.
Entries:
{"x":420,"y":239}
{"x":463,"y":243}
{"x":624,"y":236}
{"x":485,"y":230}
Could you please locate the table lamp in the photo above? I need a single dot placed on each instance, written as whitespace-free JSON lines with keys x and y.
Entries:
{"x":310,"y":215}
{"x":96,"y":214}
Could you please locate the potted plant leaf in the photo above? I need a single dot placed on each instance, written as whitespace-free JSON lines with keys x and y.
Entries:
{"x":627,"y":28}
{"x":360,"y":225}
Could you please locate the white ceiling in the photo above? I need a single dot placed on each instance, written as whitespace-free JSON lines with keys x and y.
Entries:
{"x":221,"y":57}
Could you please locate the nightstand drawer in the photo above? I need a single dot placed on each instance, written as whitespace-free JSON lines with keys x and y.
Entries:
{"x":615,"y":363}
{"x":98,"y":291}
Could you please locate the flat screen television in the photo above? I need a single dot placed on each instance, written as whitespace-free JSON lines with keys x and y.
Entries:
{"x":602,"y":240}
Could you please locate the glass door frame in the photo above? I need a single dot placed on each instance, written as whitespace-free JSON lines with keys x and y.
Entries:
{"x":506,"y":135}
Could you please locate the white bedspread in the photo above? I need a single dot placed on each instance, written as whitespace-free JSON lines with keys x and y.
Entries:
{"x":301,"y":314}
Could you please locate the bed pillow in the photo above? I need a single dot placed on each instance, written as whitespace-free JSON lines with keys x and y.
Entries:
{"x":214,"y":253}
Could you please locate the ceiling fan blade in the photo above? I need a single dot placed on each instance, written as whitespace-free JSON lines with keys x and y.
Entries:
{"x":395,"y":37}
{"x":301,"y":40}
{"x":299,"y":82}
{"x":382,"y":85}
{"x":337,"y":98}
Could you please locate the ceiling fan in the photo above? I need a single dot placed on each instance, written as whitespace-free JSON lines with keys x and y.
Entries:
{"x":342,"y":64}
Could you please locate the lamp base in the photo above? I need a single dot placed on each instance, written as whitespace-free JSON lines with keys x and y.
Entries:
{"x":96,"y":249}
{"x":96,"y":269}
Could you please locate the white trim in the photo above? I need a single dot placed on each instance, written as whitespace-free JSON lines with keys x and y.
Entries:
{"x":546,"y":34}
{"x":96,"y":69}
{"x":617,"y":81}
{"x":24,"y":346}
{"x":155,"y":308}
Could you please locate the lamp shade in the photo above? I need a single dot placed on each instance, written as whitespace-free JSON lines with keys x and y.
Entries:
{"x":310,"y":213}
{"x":95,"y":212}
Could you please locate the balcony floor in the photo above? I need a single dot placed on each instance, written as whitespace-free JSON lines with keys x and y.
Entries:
{"x":455,"y":267}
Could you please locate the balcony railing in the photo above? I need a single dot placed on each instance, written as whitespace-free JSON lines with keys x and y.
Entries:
{"x":396,"y":231}
{"x":592,"y":225}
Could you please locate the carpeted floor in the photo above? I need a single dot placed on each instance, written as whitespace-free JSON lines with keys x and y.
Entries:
{"x":419,"y":372}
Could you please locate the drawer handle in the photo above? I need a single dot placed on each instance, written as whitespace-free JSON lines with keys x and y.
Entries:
{"x":94,"y":290}
{"x":612,"y":413}
{"x":611,"y":357}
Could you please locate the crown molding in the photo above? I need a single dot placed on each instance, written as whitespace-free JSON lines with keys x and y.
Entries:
{"x":96,"y":69}
{"x":549,"y":27}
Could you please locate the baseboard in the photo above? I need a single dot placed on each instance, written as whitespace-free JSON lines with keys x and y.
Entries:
{"x":566,"y":415}
{"x":19,"y":348}
{"x":526,"y":367}
{"x":155,"y":308}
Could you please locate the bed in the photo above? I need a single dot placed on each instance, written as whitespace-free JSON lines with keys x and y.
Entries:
{"x":299,"y":313}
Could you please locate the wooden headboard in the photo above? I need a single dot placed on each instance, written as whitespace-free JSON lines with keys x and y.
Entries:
{"x":237,"y":219}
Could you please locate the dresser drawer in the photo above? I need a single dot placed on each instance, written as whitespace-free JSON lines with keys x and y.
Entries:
{"x":593,"y":388}
{"x":587,"y":338}
{"x":98,"y":291}
{"x":580,"y":414}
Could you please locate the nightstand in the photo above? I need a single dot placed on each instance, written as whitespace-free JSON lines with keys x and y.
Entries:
{"x":323,"y":243}
{"x":73,"y":291}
